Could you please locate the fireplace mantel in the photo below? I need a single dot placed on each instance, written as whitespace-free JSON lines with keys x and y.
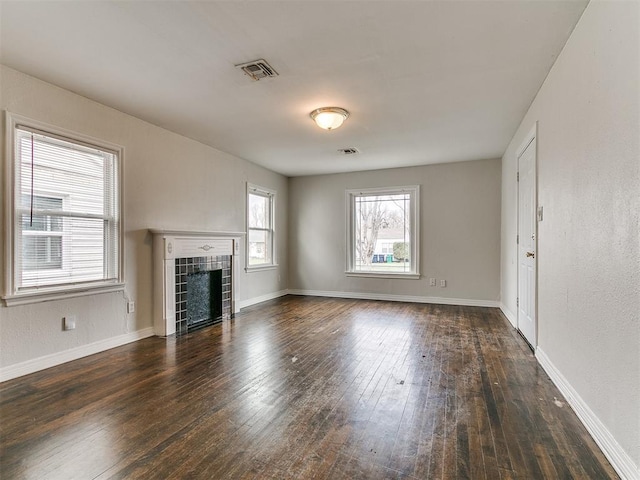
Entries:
{"x":169,"y":245}
{"x":193,"y":233}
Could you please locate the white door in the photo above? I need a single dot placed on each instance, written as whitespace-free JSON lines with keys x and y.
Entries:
{"x":527,"y":243}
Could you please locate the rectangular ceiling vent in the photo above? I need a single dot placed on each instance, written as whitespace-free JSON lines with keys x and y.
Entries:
{"x":258,"y":69}
{"x":349,"y":151}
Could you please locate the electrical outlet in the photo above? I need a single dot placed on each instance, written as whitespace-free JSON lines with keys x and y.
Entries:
{"x":131,"y":307}
{"x":69,"y":322}
{"x":432,"y":282}
{"x":443,"y":283}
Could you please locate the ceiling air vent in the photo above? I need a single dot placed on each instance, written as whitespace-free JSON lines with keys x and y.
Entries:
{"x":349,"y":151}
{"x":258,"y":69}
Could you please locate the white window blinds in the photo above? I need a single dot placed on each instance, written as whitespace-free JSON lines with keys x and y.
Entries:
{"x":66,"y":218}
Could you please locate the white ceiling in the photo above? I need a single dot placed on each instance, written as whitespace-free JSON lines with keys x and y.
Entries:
{"x":425,"y":81}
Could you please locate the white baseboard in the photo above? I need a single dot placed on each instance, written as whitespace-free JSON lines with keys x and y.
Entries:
{"x":262,"y":298}
{"x":513,"y":319}
{"x":398,"y":298}
{"x":40,"y":363}
{"x":620,"y":460}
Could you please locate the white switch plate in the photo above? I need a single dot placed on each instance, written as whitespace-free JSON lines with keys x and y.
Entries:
{"x":443,"y":283}
{"x":131,"y":307}
{"x":432,"y":282}
{"x":70,"y":322}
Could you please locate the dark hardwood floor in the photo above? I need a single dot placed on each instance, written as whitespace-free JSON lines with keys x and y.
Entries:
{"x":302,"y":388}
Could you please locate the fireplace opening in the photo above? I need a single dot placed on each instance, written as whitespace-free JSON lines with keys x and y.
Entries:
{"x":203,"y":292}
{"x":204,"y":298}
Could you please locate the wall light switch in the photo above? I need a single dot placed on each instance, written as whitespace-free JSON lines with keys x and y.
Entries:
{"x":69,"y":322}
{"x":131,"y":307}
{"x":432,"y":282}
{"x":443,"y":283}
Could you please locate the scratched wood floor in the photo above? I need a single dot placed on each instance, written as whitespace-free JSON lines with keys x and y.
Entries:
{"x":302,"y":388}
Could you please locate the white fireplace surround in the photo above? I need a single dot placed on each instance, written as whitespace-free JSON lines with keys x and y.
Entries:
{"x":168,"y":245}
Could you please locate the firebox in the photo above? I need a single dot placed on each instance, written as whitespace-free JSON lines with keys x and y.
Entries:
{"x":204,"y":298}
{"x":203,"y":290}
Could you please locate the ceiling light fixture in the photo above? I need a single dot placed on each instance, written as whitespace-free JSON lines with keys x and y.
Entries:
{"x":329,"y":118}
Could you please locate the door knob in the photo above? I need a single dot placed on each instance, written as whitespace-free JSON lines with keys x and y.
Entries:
{"x":531,"y":254}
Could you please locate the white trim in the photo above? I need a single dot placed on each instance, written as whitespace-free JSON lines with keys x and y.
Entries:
{"x":399,"y":298}
{"x":351,"y":195}
{"x":60,"y":294}
{"x":620,"y":460}
{"x":48,"y":361}
{"x":193,"y":233}
{"x":513,"y":320}
{"x":532,"y":134}
{"x":398,"y":275}
{"x":260,"y":268}
{"x":263,"y":298}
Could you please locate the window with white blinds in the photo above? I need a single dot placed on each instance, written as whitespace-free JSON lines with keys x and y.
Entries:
{"x":66,"y":213}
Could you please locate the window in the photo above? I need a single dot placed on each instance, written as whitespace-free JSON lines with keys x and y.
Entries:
{"x":64,"y":232}
{"x":383,"y":232}
{"x":260,"y":229}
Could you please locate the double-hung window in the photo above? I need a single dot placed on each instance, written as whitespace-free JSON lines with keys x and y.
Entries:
{"x":383,"y":232}
{"x":64,"y":225}
{"x":260,"y":227}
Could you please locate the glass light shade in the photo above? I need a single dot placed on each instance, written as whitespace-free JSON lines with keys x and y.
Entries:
{"x":329,"y":118}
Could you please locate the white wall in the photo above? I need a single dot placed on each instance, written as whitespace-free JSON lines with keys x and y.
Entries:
{"x":171,"y":182}
{"x":589,"y":240}
{"x":460,"y":232}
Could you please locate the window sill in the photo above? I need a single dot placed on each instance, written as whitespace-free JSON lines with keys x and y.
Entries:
{"x":399,"y":275}
{"x":60,"y":294}
{"x":260,"y":268}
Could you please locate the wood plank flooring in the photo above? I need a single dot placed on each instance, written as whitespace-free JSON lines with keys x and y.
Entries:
{"x":301,"y":388}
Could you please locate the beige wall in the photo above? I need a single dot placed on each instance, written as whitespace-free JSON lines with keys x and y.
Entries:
{"x":589,"y":241}
{"x":171,"y":182}
{"x":460,"y":232}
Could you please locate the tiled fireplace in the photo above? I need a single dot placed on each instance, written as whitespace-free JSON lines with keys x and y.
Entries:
{"x":194,"y":280}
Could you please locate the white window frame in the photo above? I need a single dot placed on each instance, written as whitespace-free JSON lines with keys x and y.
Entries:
{"x":414,"y":218}
{"x":271,"y":195}
{"x":12,"y":295}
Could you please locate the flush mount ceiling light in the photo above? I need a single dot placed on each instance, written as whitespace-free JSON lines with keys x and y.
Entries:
{"x":329,"y":118}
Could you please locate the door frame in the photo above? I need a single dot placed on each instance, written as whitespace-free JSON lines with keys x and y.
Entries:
{"x":531,"y":137}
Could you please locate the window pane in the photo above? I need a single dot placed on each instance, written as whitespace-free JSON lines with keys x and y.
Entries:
{"x":74,"y":255}
{"x":259,"y":215}
{"x":259,"y":247}
{"x":382,"y":233}
{"x":44,"y":223}
{"x":41,"y":252}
